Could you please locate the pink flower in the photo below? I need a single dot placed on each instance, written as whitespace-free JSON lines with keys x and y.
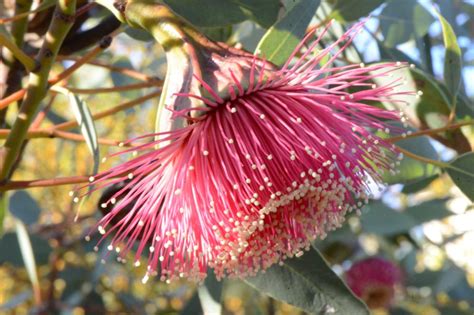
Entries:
{"x":270,"y":160}
{"x":374,"y":280}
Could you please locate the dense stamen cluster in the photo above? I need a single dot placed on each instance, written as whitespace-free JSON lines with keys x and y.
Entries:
{"x":257,"y":176}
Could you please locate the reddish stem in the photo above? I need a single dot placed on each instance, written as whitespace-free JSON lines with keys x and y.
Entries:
{"x":22,"y":184}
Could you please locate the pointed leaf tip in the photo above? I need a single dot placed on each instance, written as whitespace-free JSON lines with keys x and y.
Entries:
{"x":452,"y":57}
{"x":279,"y":41}
{"x":461,"y":171}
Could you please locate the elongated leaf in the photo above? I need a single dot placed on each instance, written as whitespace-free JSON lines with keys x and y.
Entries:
{"x":15,"y":301}
{"x":419,"y":184}
{"x":351,"y":10}
{"x":3,"y":210}
{"x":4,"y":31}
{"x":427,"y":211}
{"x":27,"y":253}
{"x":440,"y":281}
{"x":134,"y":304}
{"x":453,"y":310}
{"x":210,"y":296}
{"x":24,"y":207}
{"x":411,"y":170}
{"x":264,"y":12}
{"x":94,"y":301}
{"x":55,"y":118}
{"x":212,"y":13}
{"x":11,"y":254}
{"x":310,"y":284}
{"x":403,"y":20}
{"x":138,"y":34}
{"x":118,"y":79}
{"x":392,"y":53}
{"x":280,"y":40}
{"x":224,"y":12}
{"x":462,"y":173}
{"x":431,"y":109}
{"x":207,"y":299}
{"x":379,"y":219}
{"x":220,"y":34}
{"x":87,"y":126}
{"x":452,"y":57}
{"x":75,"y":278}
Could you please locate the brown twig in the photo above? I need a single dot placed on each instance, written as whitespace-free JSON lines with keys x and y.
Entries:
{"x":73,"y":123}
{"x":85,"y":8}
{"x":87,"y":38}
{"x":37,"y":85}
{"x":122,"y":88}
{"x":52,"y":133}
{"x":125,"y":71}
{"x":63,"y":75}
{"x":430,"y":132}
{"x":11,"y":185}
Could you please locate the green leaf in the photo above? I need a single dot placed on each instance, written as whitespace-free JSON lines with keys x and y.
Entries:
{"x":310,"y":284}
{"x":351,"y":10}
{"x":15,"y":301}
{"x":207,"y":299}
{"x":418,"y":185}
{"x":427,"y":211}
{"x":74,"y":277}
{"x":3,"y":210}
{"x":94,"y":302}
{"x":27,"y":253}
{"x":392,"y":53}
{"x":4,"y":31}
{"x":411,"y":170}
{"x":280,"y":40}
{"x":452,"y":57}
{"x":432,"y":109}
{"x":132,"y":302}
{"x":213,"y":13}
{"x":87,"y":126}
{"x":224,"y":12}
{"x":24,"y":207}
{"x":138,"y":34}
{"x":465,"y":107}
{"x":10,"y":252}
{"x":461,"y":171}
{"x":379,"y":219}
{"x":55,"y":118}
{"x":399,"y":311}
{"x":426,"y":278}
{"x":119,"y":80}
{"x":220,"y":34}
{"x":450,"y":280}
{"x":264,"y":12}
{"x":403,"y":20}
{"x":453,"y":310}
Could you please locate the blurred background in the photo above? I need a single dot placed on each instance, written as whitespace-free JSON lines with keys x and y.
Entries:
{"x":421,"y":222}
